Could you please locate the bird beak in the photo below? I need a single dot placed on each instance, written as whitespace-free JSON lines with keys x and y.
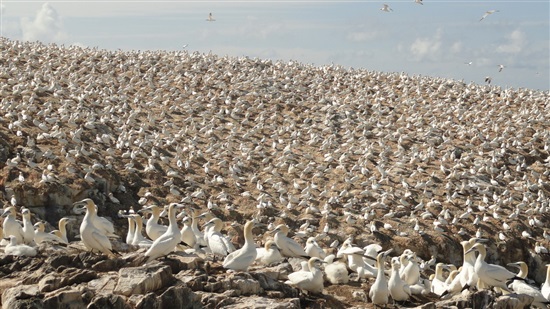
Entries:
{"x":482,"y":240}
{"x":513,"y":265}
{"x":386,"y":253}
{"x":471,"y":250}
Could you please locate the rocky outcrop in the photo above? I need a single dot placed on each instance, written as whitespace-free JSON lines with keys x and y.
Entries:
{"x":142,"y":280}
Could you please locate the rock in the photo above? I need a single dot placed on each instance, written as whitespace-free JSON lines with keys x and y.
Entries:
{"x":103,"y":285}
{"x":267,"y":282}
{"x":180,"y":262}
{"x":142,"y":280}
{"x":67,"y":297}
{"x":244,"y":283}
{"x":179,"y":297}
{"x":67,"y":276}
{"x":22,"y":296}
{"x":108,"y":302}
{"x":266,"y":303}
{"x":513,"y":301}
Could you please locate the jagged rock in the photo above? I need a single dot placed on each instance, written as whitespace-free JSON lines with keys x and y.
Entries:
{"x":109,"y":302}
{"x":243,"y":283}
{"x":180,"y":262}
{"x":179,"y":297}
{"x":22,"y":296}
{"x":67,"y":276}
{"x":266,"y":303}
{"x":267,"y":282}
{"x":142,"y":280}
{"x":513,"y":301}
{"x":67,"y":297}
{"x":103,"y":285}
{"x":108,"y":265}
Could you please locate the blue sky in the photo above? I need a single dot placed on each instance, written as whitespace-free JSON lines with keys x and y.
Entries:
{"x":435,"y":39}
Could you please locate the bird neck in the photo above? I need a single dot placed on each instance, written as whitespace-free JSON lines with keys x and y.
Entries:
{"x":547,"y":275}
{"x":248,"y":237}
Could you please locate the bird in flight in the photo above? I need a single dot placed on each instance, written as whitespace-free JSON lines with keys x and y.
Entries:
{"x":418,"y":1}
{"x":210,"y":17}
{"x":468,"y":63}
{"x":500,"y":67}
{"x":386,"y":8}
{"x":488,"y":13}
{"x":488,"y":79}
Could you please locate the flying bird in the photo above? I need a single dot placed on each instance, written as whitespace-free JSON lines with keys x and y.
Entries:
{"x":488,"y":13}
{"x":488,"y":79}
{"x":419,"y":2}
{"x":500,"y":67}
{"x":386,"y":8}
{"x":468,"y":63}
{"x":210,"y":17}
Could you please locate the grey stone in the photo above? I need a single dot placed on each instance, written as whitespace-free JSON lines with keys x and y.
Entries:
{"x":142,"y":280}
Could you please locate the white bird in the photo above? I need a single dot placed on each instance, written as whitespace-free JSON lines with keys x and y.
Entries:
{"x":219,"y":244}
{"x":500,"y":67}
{"x":168,"y":241}
{"x":355,"y":260}
{"x":411,"y":271}
{"x":269,"y":254}
{"x":152,"y":228}
{"x":62,"y":231}
{"x":210,"y":17}
{"x":28,"y":228}
{"x":288,"y":246}
{"x":139,"y":239}
{"x":310,"y":280}
{"x":438,"y":282}
{"x":40,"y":236}
{"x":385,"y":8}
{"x":488,"y":13}
{"x":131,"y":230}
{"x":105,"y":226}
{"x":313,"y":249}
{"x":399,"y":289}
{"x":11,"y":226}
{"x":13,"y":248}
{"x":490,"y":275}
{"x":240,"y":260}
{"x":418,"y":1}
{"x":545,"y":288}
{"x":336,"y":272}
{"x":187,"y":235}
{"x":379,"y":292}
{"x":92,"y":237}
{"x":520,"y":287}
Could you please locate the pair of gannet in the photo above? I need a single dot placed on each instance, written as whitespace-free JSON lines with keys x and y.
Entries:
{"x":490,"y":275}
{"x":288,"y":246}
{"x":438,"y":285}
{"x":168,"y":241}
{"x":93,"y":231}
{"x":187,"y":234}
{"x":356,"y":262}
{"x":138,"y":238}
{"x":240,"y":260}
{"x":379,"y":292}
{"x":410,"y":270}
{"x":310,"y":280}
{"x":62,"y":231}
{"x":40,"y":236}
{"x":153,"y":229}
{"x":269,"y":254}
{"x":399,"y":289}
{"x":520,"y":287}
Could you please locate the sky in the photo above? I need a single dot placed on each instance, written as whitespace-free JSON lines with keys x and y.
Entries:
{"x":438,"y":38}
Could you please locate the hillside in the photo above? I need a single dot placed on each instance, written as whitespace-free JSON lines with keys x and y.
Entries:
{"x":368,"y":154}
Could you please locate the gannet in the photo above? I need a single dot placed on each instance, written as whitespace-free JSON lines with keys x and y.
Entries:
{"x":501,"y":67}
{"x":288,"y":246}
{"x":131,"y":230}
{"x":385,"y":8}
{"x":336,"y":272}
{"x":152,"y":227}
{"x":379,"y":292}
{"x":187,"y":235}
{"x":210,"y":17}
{"x":240,"y":260}
{"x":520,"y":287}
{"x":103,"y":225}
{"x":418,"y":1}
{"x":93,"y":238}
{"x":269,"y":254}
{"x":399,"y":289}
{"x":488,"y":13}
{"x":311,"y":280}
{"x":411,"y":272}
{"x":62,"y":231}
{"x":356,"y":262}
{"x":545,"y":288}
{"x":11,"y":226}
{"x":28,"y":228}
{"x":139,"y":239}
{"x":313,"y":249}
{"x":438,"y":282}
{"x":168,"y":241}
{"x":41,"y":236}
{"x":13,"y":248}
{"x":490,"y":275}
{"x":219,"y":245}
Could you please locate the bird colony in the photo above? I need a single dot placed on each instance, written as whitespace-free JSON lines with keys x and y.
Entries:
{"x":376,"y":188}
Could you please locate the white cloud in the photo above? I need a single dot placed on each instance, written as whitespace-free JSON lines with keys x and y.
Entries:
{"x":423,"y":48}
{"x":515,"y":43}
{"x":46,"y":26}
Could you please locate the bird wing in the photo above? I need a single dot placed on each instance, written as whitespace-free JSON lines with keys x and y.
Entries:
{"x":217,"y":244}
{"x":100,"y":241}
